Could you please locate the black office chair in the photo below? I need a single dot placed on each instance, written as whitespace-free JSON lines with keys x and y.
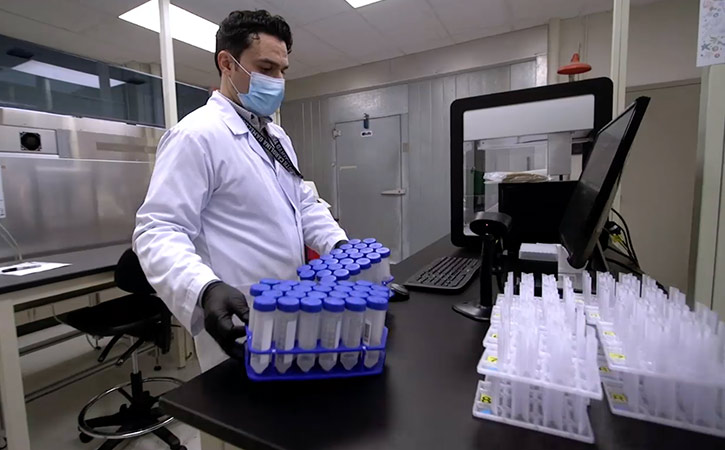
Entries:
{"x":145,"y":318}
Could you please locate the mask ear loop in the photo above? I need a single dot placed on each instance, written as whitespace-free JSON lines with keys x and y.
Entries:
{"x":241,"y":67}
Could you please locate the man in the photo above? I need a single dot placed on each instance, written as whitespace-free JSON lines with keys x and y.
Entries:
{"x":227,"y":204}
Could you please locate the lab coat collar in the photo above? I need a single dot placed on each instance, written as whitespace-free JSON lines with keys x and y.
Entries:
{"x":231,"y":117}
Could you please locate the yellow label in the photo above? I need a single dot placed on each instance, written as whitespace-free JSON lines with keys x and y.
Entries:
{"x":492,"y":359}
{"x":594,"y":315}
{"x":485,"y":398}
{"x":497,"y":315}
{"x":609,"y":333}
{"x":604,"y":369}
{"x":619,"y":398}
{"x":494,"y":335}
{"x":616,"y":356}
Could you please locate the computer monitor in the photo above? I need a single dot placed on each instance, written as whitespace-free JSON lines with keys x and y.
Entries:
{"x":545,"y":130}
{"x":592,"y":198}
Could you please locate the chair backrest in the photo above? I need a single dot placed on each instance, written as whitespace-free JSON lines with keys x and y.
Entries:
{"x":129,"y":275}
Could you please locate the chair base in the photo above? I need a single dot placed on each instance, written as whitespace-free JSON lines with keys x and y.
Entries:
{"x":140,"y":416}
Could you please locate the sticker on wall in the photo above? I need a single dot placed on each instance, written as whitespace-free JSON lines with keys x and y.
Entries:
{"x":366,"y":133}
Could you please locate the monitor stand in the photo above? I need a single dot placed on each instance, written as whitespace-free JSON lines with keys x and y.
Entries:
{"x":481,"y":310}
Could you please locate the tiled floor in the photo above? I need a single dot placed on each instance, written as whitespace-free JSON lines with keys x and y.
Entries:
{"x":53,"y":418}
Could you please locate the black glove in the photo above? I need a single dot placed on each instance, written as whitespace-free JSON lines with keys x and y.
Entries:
{"x":221,"y":302}
{"x":339,"y":243}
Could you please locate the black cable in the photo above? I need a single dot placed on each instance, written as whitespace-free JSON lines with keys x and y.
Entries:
{"x":621,"y":253}
{"x":621,"y":264}
{"x":629,"y":235}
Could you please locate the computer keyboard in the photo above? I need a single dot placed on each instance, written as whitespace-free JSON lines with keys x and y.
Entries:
{"x":449,"y":274}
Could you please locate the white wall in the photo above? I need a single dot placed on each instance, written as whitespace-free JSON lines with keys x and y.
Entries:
{"x":662,"y":42}
{"x":486,"y":52}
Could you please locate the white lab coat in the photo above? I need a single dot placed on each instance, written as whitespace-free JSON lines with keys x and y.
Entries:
{"x":217,"y":208}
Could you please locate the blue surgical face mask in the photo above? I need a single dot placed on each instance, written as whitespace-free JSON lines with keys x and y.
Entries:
{"x":265,"y":93}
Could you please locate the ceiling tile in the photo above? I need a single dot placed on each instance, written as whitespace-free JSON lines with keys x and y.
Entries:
{"x":351,"y":34}
{"x":313,"y":51}
{"x":217,"y":10}
{"x":465,"y":16}
{"x":303,"y":12}
{"x":402,"y":16}
{"x":479,"y":33}
{"x":113,"y":8}
{"x":421,"y":45}
{"x":57,"y":15}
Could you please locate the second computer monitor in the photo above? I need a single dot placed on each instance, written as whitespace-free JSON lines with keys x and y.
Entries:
{"x":592,"y":198}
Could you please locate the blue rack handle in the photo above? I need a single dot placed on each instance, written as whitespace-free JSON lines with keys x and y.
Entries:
{"x":316,"y":373}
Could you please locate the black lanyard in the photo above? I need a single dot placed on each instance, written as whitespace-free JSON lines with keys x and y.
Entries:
{"x":274,"y":148}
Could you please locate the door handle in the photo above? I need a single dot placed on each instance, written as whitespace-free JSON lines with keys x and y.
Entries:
{"x":394,"y":192}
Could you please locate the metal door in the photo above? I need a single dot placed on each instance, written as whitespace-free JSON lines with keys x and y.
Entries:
{"x":369,"y":181}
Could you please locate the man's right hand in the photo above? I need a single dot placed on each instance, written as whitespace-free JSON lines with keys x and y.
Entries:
{"x":221,"y":302}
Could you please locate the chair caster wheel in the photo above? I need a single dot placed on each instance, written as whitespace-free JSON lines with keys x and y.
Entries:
{"x":84,"y":438}
{"x":181,"y":447}
{"x":157,"y":368}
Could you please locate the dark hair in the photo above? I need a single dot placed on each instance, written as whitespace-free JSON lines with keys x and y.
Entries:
{"x":237,"y":31}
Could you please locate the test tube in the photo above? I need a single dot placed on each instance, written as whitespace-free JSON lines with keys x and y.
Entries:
{"x":307,"y":275}
{"x":341,"y":256}
{"x":341,"y":288}
{"x":375,"y":268}
{"x":330,"y":329}
{"x":319,"y":267}
{"x":366,"y":251}
{"x":346,"y":261}
{"x":336,"y":251}
{"x":264,"y":307}
{"x":361,"y":246}
{"x":269,"y":281}
{"x":369,"y":241}
{"x":273,"y":293}
{"x":307,"y":283}
{"x":364,"y":264}
{"x":374,"y":323}
{"x":384,"y":253}
{"x":308,"y":329}
{"x":334,"y":267}
{"x":323,"y":288}
{"x":347,"y":283}
{"x":302,"y":287}
{"x":329,"y":279}
{"x":346,"y":247}
{"x":317,"y":294}
{"x":303,"y":268}
{"x":354,"y":242}
{"x":315,"y":262}
{"x":341,"y":274}
{"x":375,"y":245}
{"x":285,"y":331}
{"x":380,"y":290}
{"x":359,"y":294}
{"x":326,"y":258}
{"x":323,"y":273}
{"x":299,"y":295}
{"x":283,"y":287}
{"x":354,"y":270}
{"x":255,"y":291}
{"x":352,"y":324}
